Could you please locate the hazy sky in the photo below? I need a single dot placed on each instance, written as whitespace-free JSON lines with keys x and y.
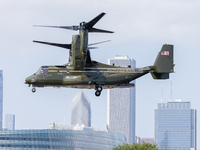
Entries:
{"x":141,"y":28}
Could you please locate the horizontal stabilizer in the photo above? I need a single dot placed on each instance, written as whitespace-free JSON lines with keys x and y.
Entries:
{"x":160,"y":75}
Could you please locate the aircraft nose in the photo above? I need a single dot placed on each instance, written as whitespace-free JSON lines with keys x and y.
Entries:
{"x":27,"y":80}
{"x":30,"y":80}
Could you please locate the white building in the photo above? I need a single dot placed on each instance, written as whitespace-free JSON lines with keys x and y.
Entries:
{"x":10,"y":122}
{"x":81,"y":112}
{"x":121,"y":104}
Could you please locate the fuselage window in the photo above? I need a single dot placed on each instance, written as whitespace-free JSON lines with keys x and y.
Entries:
{"x":42,"y":71}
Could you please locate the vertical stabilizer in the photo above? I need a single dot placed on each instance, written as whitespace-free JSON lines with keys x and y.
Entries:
{"x":164,"y":62}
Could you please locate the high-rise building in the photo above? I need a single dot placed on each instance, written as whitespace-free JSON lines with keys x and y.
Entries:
{"x":81,"y":112}
{"x":175,"y":126}
{"x":10,"y":122}
{"x":121,"y":104}
{"x":1,"y":98}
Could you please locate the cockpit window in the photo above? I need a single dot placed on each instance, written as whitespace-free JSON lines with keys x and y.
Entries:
{"x":42,"y":70}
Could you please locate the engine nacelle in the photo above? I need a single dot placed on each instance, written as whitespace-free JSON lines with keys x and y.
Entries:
{"x":78,"y":59}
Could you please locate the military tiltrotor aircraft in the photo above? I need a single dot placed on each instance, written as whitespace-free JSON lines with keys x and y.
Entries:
{"x":82,"y":72}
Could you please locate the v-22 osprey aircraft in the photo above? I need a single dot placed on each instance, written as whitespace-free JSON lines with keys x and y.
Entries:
{"x":84,"y":73}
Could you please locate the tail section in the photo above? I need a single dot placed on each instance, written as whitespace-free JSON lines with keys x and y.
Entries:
{"x":164,"y":63}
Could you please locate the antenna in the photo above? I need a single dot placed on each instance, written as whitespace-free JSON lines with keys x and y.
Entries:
{"x":161,"y":92}
{"x":123,"y":53}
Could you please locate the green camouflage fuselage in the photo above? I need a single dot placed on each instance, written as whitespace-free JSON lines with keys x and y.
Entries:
{"x":100,"y":74}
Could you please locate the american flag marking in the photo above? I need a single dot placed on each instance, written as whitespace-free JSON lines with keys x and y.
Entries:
{"x":166,"y":53}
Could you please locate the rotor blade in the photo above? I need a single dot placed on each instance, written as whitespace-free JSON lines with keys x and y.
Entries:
{"x":92,"y":47}
{"x":99,"y":42}
{"x":63,"y":27}
{"x":100,"y":30}
{"x":91,"y":23}
{"x":67,"y":46}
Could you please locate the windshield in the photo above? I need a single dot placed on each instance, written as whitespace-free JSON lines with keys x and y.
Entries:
{"x":43,"y":70}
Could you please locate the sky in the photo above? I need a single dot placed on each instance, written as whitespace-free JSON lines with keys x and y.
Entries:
{"x":141,"y":28}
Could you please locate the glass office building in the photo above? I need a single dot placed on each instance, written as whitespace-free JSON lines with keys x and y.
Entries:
{"x":1,"y":98}
{"x":121,"y":104}
{"x":77,"y":139}
{"x":10,"y":122}
{"x":81,"y":112}
{"x":175,"y":126}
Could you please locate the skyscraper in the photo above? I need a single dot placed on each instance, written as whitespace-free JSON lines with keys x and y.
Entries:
{"x":175,"y":126}
{"x":81,"y":112}
{"x":121,"y":104}
{"x":1,"y":98}
{"x":10,"y":121}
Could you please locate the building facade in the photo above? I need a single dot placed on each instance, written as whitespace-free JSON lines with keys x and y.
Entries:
{"x":54,"y":139}
{"x":175,"y":126}
{"x":137,"y":139}
{"x":147,"y":140}
{"x":121,"y":104}
{"x":81,"y":112}
{"x":1,"y":99}
{"x":10,"y":122}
